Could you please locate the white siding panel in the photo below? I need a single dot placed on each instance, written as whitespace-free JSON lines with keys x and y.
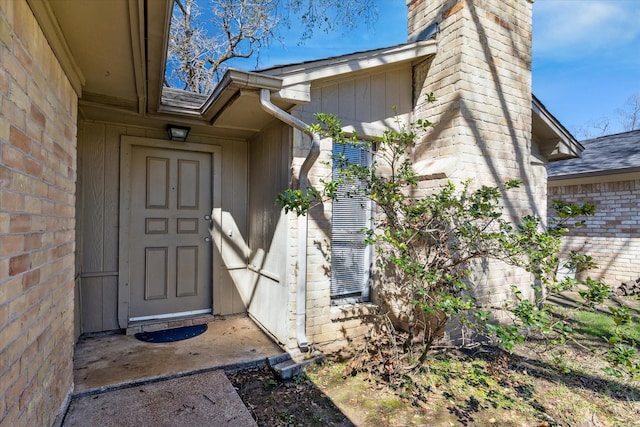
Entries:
{"x":315,"y":106}
{"x":379,"y":101}
{"x":347,"y":99}
{"x":393,"y":94}
{"x":270,"y":157}
{"x":363,"y":99}
{"x":331,"y":99}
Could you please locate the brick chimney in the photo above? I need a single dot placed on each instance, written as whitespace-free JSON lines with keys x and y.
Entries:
{"x":481,"y":78}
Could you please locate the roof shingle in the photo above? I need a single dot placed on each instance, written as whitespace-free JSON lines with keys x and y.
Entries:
{"x":616,"y":153}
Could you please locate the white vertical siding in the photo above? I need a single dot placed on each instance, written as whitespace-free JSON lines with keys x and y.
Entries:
{"x":270,"y":159}
{"x":364,"y":101}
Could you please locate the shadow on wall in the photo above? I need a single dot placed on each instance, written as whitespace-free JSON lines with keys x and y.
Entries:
{"x":459,"y":108}
{"x":247,"y":274}
{"x":236,"y":255}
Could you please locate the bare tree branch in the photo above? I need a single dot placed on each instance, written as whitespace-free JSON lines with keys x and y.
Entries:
{"x":630,"y":113}
{"x":628,"y":117}
{"x":202,"y":44}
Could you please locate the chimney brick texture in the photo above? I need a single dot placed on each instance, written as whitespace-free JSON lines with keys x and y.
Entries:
{"x":481,"y":79}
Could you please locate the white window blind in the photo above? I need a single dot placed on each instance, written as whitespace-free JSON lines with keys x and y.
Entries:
{"x":351,"y":213}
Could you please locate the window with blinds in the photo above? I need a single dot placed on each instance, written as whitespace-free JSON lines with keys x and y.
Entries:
{"x":351,"y":213}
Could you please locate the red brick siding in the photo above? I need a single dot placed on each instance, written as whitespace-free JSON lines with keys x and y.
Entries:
{"x":37,"y":197}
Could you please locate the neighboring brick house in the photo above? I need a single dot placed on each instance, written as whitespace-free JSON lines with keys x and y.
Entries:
{"x":607,"y":175}
{"x":107,"y":225}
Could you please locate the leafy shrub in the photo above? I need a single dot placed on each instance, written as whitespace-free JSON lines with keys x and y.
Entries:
{"x":427,"y":244}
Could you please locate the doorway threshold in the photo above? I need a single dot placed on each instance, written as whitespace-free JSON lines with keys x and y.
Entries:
{"x":152,"y":325}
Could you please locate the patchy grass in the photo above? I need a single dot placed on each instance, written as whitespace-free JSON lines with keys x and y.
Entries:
{"x":486,"y":388}
{"x":599,"y":324}
{"x":534,"y":387}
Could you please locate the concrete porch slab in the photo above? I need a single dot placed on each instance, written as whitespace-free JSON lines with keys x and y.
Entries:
{"x":206,"y":399}
{"x":117,"y":361}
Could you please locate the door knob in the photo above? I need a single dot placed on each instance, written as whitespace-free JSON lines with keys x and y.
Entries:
{"x":207,"y":217}
{"x":207,"y":239}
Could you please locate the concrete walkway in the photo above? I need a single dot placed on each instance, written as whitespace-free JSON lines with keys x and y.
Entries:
{"x":206,"y":399}
{"x":122,"y":381}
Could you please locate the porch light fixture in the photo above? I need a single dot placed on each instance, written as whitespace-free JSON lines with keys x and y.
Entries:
{"x":178,"y":133}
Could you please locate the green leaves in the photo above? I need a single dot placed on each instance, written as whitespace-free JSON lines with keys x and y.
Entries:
{"x":454,"y":304}
{"x":568,"y":213}
{"x":297,"y":201}
{"x":621,"y":315}
{"x":427,"y":243}
{"x":624,"y":362}
{"x":566,"y":210}
{"x":595,"y":293}
{"x":508,"y":336}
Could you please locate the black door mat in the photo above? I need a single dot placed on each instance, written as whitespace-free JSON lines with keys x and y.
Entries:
{"x":171,"y":335}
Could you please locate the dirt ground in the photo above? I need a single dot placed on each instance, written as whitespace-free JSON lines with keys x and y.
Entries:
{"x":461,"y":390}
{"x":482,"y":387}
{"x":297,"y":402}
{"x":536,"y":386}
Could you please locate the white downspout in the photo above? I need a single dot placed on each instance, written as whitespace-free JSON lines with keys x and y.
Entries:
{"x":303,"y":183}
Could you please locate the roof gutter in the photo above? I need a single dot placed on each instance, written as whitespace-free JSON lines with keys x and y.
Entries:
{"x":225,"y":92}
{"x":592,"y":173}
{"x":303,"y":184}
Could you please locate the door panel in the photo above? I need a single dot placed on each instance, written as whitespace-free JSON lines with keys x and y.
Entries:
{"x":170,"y":252}
{"x":187,"y":266}
{"x":155,"y":274}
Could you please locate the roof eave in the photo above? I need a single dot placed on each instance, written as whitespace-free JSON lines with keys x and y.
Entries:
{"x":562,"y":145}
{"x":303,"y":72}
{"x":230,"y":86}
{"x":587,"y":174}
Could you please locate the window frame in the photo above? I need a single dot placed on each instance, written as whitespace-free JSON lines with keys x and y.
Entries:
{"x":361,"y":292}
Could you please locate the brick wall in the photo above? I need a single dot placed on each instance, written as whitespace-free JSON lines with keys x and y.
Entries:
{"x":328,"y":328}
{"x":481,"y":78}
{"x":37,"y":191}
{"x":612,"y":236}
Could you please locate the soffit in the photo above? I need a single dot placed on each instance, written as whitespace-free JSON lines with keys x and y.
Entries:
{"x":105,"y":40}
{"x":234,"y":105}
{"x":116,"y":51}
{"x":119,"y":48}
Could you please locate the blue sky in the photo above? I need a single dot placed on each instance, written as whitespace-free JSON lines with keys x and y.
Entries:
{"x":586,"y":53}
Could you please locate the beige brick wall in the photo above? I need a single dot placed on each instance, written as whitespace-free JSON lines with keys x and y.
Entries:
{"x":481,"y":78}
{"x":612,"y":235}
{"x":37,"y":192}
{"x":327,"y":328}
